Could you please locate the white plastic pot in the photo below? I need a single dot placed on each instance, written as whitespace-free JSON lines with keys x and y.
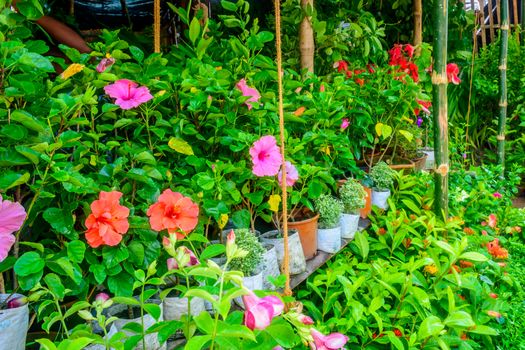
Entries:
{"x":254,"y":282}
{"x":13,"y":325}
{"x":431,"y":158}
{"x":329,"y":239}
{"x":379,"y":198}
{"x":175,"y":307}
{"x":349,"y":225}
{"x":295,"y":249}
{"x":269,"y":266}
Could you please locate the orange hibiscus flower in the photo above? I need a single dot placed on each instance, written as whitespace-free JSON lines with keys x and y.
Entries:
{"x":108,"y":220}
{"x":173,"y":212}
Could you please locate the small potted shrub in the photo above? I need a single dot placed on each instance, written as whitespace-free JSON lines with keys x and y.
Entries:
{"x":353,"y":196}
{"x":329,"y":232}
{"x":248,"y":265}
{"x":383,"y":179}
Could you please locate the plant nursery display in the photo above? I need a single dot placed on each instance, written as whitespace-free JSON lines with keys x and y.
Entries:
{"x":329,"y":232}
{"x":208,"y":183}
{"x":353,"y":196}
{"x":382,"y":177}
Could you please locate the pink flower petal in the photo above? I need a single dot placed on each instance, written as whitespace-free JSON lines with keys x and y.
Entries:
{"x":6,"y":242}
{"x":248,"y":92}
{"x":292,"y":175}
{"x":127,"y":94}
{"x":266,"y":156}
{"x":12,"y":216}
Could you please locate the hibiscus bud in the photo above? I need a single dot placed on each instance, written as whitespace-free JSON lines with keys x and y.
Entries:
{"x":169,"y":244}
{"x":230,"y":238}
{"x":16,"y":302}
{"x":492,"y":313}
{"x":321,"y":89}
{"x":102,"y":297}
{"x":172,"y":264}
{"x":306,"y":320}
{"x":493,"y":295}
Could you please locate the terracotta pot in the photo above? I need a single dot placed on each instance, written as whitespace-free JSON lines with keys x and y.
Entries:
{"x":307,"y":229}
{"x":368,"y":203}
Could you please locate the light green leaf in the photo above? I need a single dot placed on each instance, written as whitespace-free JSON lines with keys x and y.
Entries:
{"x":181,"y":146}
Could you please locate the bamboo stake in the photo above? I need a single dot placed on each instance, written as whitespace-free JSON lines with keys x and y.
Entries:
{"x":483,"y":28}
{"x":439,"y":96}
{"x":491,"y":21}
{"x":503,"y":83}
{"x":306,"y":38}
{"x":498,"y":15}
{"x":418,"y":25}
{"x":156,"y":26}
{"x":286,"y":260}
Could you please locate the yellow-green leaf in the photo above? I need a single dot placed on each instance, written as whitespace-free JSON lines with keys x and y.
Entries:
{"x":181,"y":146}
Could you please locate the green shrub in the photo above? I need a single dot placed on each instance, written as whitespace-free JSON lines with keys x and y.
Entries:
{"x":330,"y":210}
{"x":247,"y":241}
{"x":353,"y":196}
{"x":382,"y":176}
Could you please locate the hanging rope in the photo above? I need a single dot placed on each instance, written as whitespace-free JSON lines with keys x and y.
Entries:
{"x":156,"y":26}
{"x":286,"y":261}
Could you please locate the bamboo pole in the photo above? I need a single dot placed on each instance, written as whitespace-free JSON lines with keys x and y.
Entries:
{"x":418,"y":25}
{"x":503,"y":83}
{"x":306,"y":38}
{"x":279,"y":60}
{"x":483,"y":28}
{"x":498,"y":15}
{"x":491,"y":20}
{"x":439,"y":97}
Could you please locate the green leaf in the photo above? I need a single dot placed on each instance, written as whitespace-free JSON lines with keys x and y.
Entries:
{"x":473,"y":256}
{"x":204,"y":322}
{"x":361,"y":241}
{"x":200,"y":293}
{"x":27,"y":120}
{"x":180,"y":146}
{"x":408,"y":135}
{"x":212,"y":251}
{"x":11,"y":179}
{"x":76,"y":250}
{"x":29,"y":263}
{"x":195,"y":29}
{"x":282,"y":333}
{"x":482,"y":329}
{"x":383,"y":130}
{"x":459,"y":319}
{"x":79,"y":305}
{"x":230,"y":6}
{"x":35,"y":60}
{"x":153,"y":310}
{"x":121,"y":284}
{"x":429,"y":327}
{"x":46,"y":344}
{"x":126,"y":301}
{"x":60,"y":220}
{"x":55,"y":285}
{"x":99,"y":272}
{"x":197,"y":342}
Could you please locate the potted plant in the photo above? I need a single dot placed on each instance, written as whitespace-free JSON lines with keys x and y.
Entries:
{"x":329,"y":232}
{"x":295,"y":249}
{"x":353,"y":196}
{"x":246,"y":240}
{"x":14,"y":318}
{"x":382,"y":177}
{"x":269,"y":265}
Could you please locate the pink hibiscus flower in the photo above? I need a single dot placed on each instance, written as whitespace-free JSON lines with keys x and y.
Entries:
{"x":332,"y":341}
{"x":452,"y":73}
{"x":12,"y":216}
{"x":248,"y":92}
{"x":292,"y":175}
{"x":260,"y":311}
{"x":266,"y":157}
{"x":128,"y":94}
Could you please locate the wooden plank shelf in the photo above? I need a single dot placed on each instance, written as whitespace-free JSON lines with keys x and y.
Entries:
{"x":317,"y":261}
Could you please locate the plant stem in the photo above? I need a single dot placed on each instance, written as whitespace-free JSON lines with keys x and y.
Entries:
{"x":216,"y":321}
{"x":142,"y":318}
{"x":62,"y":320}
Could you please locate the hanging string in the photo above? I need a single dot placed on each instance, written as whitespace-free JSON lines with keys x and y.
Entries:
{"x":156,"y":26}
{"x":286,"y":260}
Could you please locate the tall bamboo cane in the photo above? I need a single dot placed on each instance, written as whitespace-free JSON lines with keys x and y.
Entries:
{"x":503,"y":82}
{"x":418,"y":25}
{"x":439,"y":97}
{"x":306,"y":38}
